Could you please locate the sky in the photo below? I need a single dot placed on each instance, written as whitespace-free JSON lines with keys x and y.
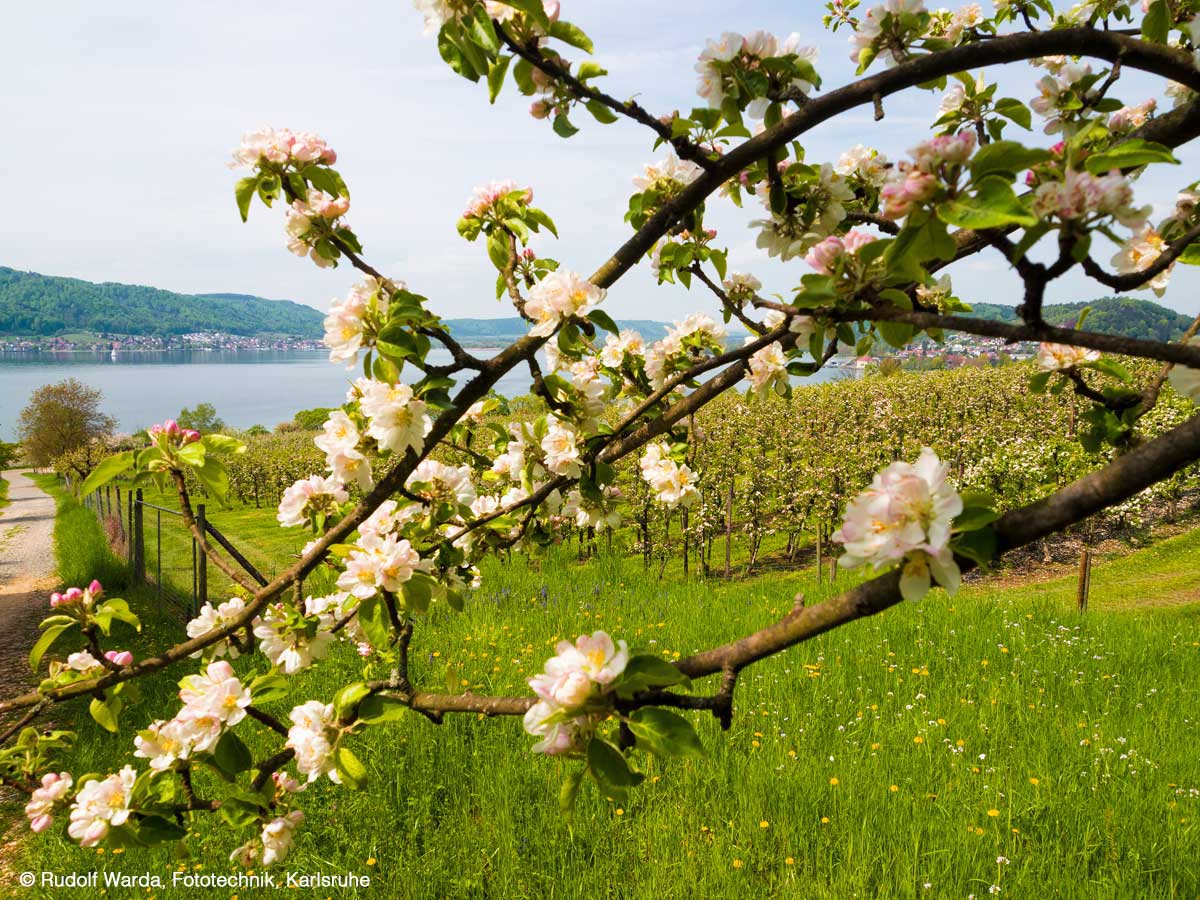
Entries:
{"x":120,"y":118}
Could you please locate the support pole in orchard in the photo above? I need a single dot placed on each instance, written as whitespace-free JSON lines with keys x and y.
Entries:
{"x":1085,"y":579}
{"x":728,"y":525}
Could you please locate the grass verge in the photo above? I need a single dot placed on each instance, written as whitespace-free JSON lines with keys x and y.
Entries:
{"x":81,"y":548}
{"x":997,"y":738}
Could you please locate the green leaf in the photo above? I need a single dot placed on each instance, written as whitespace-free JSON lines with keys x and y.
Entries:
{"x":600,"y":112}
{"x":107,"y":471}
{"x":975,"y":517}
{"x":664,"y":733}
{"x":116,"y":608}
{"x":1129,"y":154}
{"x":644,"y":672}
{"x":898,"y":334}
{"x":1015,"y":110}
{"x":214,"y":477}
{"x":373,"y":617}
{"x":376,"y":709}
{"x":1156,"y":26}
{"x":418,"y":591}
{"x":1111,"y":368}
{"x":588,"y":69}
{"x":993,"y":205}
{"x":495,"y":77}
{"x":532,"y":8}
{"x":353,"y":772}
{"x":604,"y":320}
{"x":498,"y":249}
{"x":243,"y":191}
{"x":979,"y":545}
{"x":105,"y":712}
{"x":348,"y":697}
{"x":232,"y":755}
{"x":152,"y":830}
{"x":1191,"y":255}
{"x":480,"y":28}
{"x":268,"y":687}
{"x":45,"y":642}
{"x":569,"y":792}
{"x":1006,"y":158}
{"x":611,"y":771}
{"x":563,"y":127}
{"x":571,"y":34}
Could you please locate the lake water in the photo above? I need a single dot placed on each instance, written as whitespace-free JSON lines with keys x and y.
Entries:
{"x":247,"y":387}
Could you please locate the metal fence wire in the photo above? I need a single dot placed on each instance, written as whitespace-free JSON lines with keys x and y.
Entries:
{"x":136,"y":529}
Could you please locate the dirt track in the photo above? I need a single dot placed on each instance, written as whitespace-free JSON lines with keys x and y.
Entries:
{"x":26,"y":576}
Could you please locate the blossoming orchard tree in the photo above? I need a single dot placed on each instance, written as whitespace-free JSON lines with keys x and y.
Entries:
{"x":879,"y":238}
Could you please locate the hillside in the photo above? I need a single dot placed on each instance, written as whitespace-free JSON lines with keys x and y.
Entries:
{"x":491,"y":332}
{"x":43,"y":305}
{"x":1115,"y":315}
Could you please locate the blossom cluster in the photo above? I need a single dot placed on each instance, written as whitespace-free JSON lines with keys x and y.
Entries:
{"x":311,"y":219}
{"x":1058,"y":357}
{"x":571,"y":692}
{"x":560,"y":295}
{"x":1082,"y":197}
{"x":905,"y":517}
{"x":172,"y":434}
{"x":935,"y":163}
{"x":688,"y":340}
{"x":815,"y":206}
{"x":673,"y":483}
{"x":280,"y":147}
{"x":726,"y":61}
{"x":352,"y":323}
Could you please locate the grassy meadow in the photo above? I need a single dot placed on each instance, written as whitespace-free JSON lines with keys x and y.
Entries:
{"x":996,"y":741}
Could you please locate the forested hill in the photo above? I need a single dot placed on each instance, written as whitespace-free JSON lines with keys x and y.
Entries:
{"x":43,"y":305}
{"x":1114,"y":315}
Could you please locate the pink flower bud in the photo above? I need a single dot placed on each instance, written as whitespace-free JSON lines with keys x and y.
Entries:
{"x":365,"y":649}
{"x":56,"y":599}
{"x":552,"y":9}
{"x":171,"y":427}
{"x":95,"y":589}
{"x":72,"y":595}
{"x":529,"y":254}
{"x":155,"y":430}
{"x":190,"y":436}
{"x":122,"y":658}
{"x":540,"y":109}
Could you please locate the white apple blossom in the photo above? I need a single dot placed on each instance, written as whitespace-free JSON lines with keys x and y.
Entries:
{"x":397,"y":420}
{"x":618,"y":346}
{"x":378,"y":563}
{"x":1056,"y":357}
{"x":42,"y":802}
{"x":1140,"y":252}
{"x":277,"y":837}
{"x":216,"y":693}
{"x":440,"y":483}
{"x":279,"y":146}
{"x":905,"y":516}
{"x":864,"y":163}
{"x":164,"y":742}
{"x":559,"y":295}
{"x":307,"y":498}
{"x":339,"y":440}
{"x":870,"y":31}
{"x":211,"y":618}
{"x":313,"y":734}
{"x":669,"y":174}
{"x":674,"y":483}
{"x":767,"y":367}
{"x":560,"y":450}
{"x":741,"y":287}
{"x":288,"y":647}
{"x":101,"y":805}
{"x":792,"y":232}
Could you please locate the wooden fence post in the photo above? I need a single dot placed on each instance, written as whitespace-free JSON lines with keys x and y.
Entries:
{"x":202,"y":571}
{"x":139,"y":540}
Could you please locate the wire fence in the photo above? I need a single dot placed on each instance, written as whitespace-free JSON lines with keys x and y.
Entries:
{"x":162,"y":553}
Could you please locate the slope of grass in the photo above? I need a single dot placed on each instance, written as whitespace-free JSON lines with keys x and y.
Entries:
{"x":81,"y":549}
{"x":4,"y":501}
{"x":901,"y":756}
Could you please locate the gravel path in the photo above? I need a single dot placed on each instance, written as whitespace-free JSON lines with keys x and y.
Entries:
{"x":26,"y":576}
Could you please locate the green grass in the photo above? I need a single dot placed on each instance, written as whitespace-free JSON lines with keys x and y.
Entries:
{"x":81,"y":549}
{"x":1078,"y":732}
{"x":4,"y":501}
